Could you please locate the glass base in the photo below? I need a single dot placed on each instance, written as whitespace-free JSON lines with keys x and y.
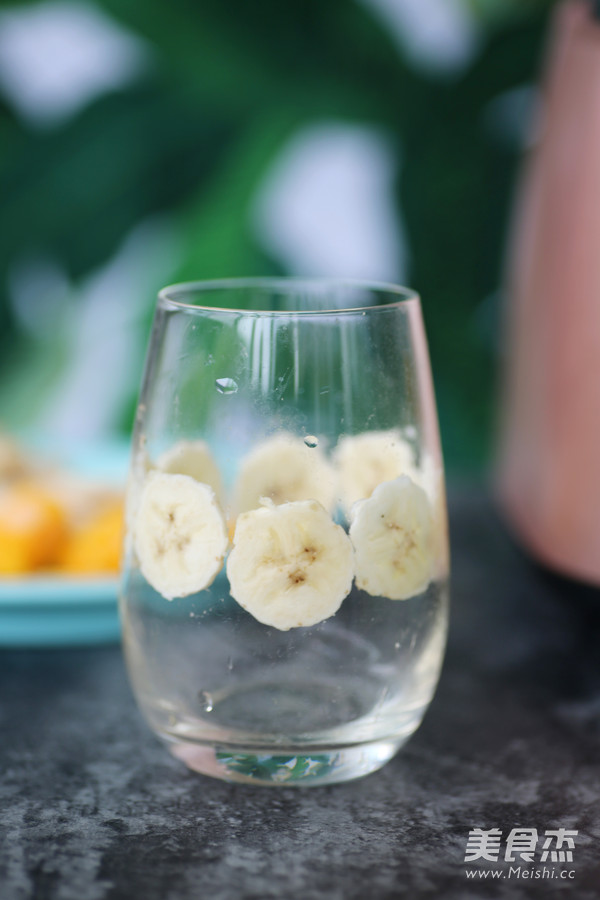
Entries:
{"x":292,"y":767}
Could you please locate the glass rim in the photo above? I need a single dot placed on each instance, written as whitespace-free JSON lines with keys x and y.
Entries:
{"x":285,"y":284}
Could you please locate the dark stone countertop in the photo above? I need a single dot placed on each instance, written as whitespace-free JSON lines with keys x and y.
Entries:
{"x":93,"y":807}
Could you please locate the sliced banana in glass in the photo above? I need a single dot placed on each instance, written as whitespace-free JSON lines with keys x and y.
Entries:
{"x":195,"y":459}
{"x":283,"y":468}
{"x":291,"y":566}
{"x":365,"y":460}
{"x":393,"y":538}
{"x":180,"y":534}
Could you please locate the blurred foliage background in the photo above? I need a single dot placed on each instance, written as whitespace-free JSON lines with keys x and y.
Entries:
{"x":148,"y":141}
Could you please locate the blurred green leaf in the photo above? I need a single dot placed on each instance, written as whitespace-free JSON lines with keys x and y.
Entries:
{"x":498,"y":10}
{"x":219,"y":239}
{"x":230,"y":82}
{"x":76,"y":192}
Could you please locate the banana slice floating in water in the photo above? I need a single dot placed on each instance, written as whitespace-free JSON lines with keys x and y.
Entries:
{"x":195,"y":459}
{"x":365,"y":460}
{"x":393,"y":538}
{"x":180,"y":534}
{"x":291,"y":566}
{"x":283,"y":469}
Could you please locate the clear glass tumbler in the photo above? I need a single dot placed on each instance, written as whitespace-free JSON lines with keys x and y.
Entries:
{"x":285,"y":589}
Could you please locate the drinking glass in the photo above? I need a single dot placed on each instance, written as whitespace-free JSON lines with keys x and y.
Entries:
{"x":285,"y":588}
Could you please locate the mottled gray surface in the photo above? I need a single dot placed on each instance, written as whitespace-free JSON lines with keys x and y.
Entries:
{"x":93,"y":807}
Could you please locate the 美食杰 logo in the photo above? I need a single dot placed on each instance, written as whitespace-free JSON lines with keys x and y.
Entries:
{"x":526,"y":848}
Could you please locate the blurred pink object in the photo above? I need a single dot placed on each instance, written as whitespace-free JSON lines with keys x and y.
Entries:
{"x":549,"y":465}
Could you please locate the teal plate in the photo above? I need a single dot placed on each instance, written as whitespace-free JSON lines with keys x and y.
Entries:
{"x":53,"y":611}
{"x":61,"y":610}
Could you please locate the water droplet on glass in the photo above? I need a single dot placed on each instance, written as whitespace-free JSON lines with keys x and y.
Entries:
{"x":397,"y":645}
{"x":209,"y":360}
{"x":206,"y":701}
{"x":311,"y":441}
{"x":230,"y":664}
{"x":226,"y":385}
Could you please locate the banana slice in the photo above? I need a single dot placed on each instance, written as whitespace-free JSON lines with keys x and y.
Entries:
{"x":180,"y":534}
{"x":393,"y":538}
{"x":284,"y":469}
{"x":290,"y":566}
{"x":193,"y":458}
{"x":366,"y":460}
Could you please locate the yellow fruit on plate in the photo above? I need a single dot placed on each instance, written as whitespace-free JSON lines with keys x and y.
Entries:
{"x":33,"y":529}
{"x":95,"y":548}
